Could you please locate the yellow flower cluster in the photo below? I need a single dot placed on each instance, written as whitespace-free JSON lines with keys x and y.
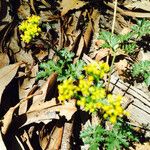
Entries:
{"x":30,"y":27}
{"x":92,"y":102}
{"x":97,"y":69}
{"x":113,"y":109}
{"x":66,"y":90}
{"x":92,"y":96}
{"x":85,"y":84}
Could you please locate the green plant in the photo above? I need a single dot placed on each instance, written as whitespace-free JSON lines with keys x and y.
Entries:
{"x":141,"y":28}
{"x":120,"y":136}
{"x":64,"y":67}
{"x":129,"y":48}
{"x":127,"y":42}
{"x":90,"y":92}
{"x":142,"y":68}
{"x":111,"y":40}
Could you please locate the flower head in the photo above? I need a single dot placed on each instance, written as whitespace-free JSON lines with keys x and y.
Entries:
{"x":30,"y":28}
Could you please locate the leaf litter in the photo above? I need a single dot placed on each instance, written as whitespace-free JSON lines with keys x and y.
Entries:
{"x":38,"y":117}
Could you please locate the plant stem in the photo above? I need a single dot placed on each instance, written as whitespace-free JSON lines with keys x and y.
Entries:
{"x":114,"y":56}
{"x":111,"y":69}
{"x":114,"y":18}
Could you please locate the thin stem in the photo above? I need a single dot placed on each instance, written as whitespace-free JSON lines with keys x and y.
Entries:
{"x":114,"y":18}
{"x":111,"y":69}
{"x":114,"y":56}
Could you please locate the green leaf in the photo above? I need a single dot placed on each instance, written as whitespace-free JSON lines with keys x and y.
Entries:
{"x":117,"y":138}
{"x":112,"y":40}
{"x":64,"y":67}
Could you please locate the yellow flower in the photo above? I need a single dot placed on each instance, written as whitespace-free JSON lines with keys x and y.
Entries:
{"x":113,"y":119}
{"x":30,"y":27}
{"x":34,"y":19}
{"x":66,"y":90}
{"x":97,"y":68}
{"x":111,"y":108}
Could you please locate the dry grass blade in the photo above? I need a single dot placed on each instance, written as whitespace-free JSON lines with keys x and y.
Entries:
{"x":32,"y":5}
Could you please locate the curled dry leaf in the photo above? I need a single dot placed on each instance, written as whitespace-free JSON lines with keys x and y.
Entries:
{"x":24,"y":10}
{"x":121,"y":66}
{"x":7,"y":73}
{"x":26,"y":87}
{"x":49,"y":110}
{"x":73,"y":4}
{"x":102,"y":53}
{"x":56,"y":138}
{"x":144,"y":5}
{"x":44,"y":137}
{"x":4,"y":60}
{"x":24,"y":56}
{"x":45,"y":89}
{"x":41,"y":55}
{"x":7,"y":118}
{"x":27,"y":140}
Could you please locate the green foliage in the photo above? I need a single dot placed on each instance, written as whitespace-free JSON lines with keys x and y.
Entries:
{"x":118,"y":137}
{"x":127,"y":41}
{"x":141,"y":28}
{"x":111,"y":40}
{"x":129,"y":48}
{"x":142,"y":68}
{"x":115,"y":41}
{"x":64,"y":67}
{"x":94,"y":136}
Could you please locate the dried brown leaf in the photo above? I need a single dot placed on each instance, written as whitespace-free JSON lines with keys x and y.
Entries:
{"x":26,"y":87}
{"x":73,"y":4}
{"x":32,"y":5}
{"x":27,"y":140}
{"x":24,"y":10}
{"x":4,"y":60}
{"x":45,"y":89}
{"x":49,"y":110}
{"x":13,"y":43}
{"x":121,"y":66}
{"x":55,"y":138}
{"x":44,"y":138}
{"x":7,"y":118}
{"x":67,"y":133}
{"x":67,"y":109}
{"x":42,"y":113}
{"x":144,"y":5}
{"x":7,"y":73}
{"x":80,"y":46}
{"x":24,"y":56}
{"x":2,"y":144}
{"x":41,"y":55}
{"x":102,"y":53}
